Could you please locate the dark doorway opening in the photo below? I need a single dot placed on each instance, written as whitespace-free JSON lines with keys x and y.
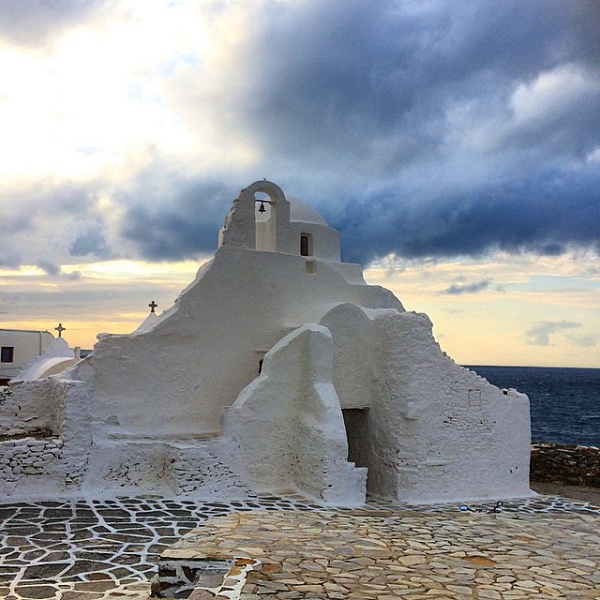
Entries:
{"x":356,"y":421}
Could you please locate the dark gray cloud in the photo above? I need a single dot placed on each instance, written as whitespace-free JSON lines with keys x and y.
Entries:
{"x":348,"y":81}
{"x":46,"y":200}
{"x":162,"y":215}
{"x":10,"y":260}
{"x":184,"y":226}
{"x":32,"y":23}
{"x":422,"y":129}
{"x":544,"y":212}
{"x":539,"y":334}
{"x":53,"y":220}
{"x":448,"y":128}
{"x":49,"y":267}
{"x":468,"y":288}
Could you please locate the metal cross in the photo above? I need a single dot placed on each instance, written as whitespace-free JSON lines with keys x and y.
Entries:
{"x":60,"y":329}
{"x":152,"y":306}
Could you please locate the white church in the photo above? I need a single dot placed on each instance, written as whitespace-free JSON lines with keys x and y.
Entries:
{"x":278,"y":368}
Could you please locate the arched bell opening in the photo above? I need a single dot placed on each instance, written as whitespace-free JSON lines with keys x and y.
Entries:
{"x":265,"y":218}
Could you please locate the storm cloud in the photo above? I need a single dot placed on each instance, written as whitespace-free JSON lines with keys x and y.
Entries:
{"x":92,"y":241}
{"x":184,"y":227}
{"x":50,"y":268}
{"x":448,"y":128}
{"x":419,"y":129}
{"x":543,"y":213}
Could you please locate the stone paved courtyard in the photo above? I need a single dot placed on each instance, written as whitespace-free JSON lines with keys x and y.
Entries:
{"x":109,"y":548}
{"x":105,"y":548}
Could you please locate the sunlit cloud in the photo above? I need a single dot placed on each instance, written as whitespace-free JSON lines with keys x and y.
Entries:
{"x":554,"y":93}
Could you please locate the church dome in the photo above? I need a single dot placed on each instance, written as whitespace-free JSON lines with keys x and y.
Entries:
{"x":301,"y":212}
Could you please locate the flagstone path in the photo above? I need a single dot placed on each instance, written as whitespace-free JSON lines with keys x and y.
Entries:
{"x":383,"y":554}
{"x":109,"y":548}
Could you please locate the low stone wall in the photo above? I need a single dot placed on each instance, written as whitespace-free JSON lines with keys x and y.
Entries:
{"x":565,"y":463}
{"x":28,"y":456}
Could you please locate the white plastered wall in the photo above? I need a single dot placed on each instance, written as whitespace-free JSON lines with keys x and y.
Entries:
{"x":426,"y":429}
{"x":450,"y":434}
{"x":286,"y":428}
{"x":325,"y":242}
{"x":173,"y":379}
{"x":239,"y":229}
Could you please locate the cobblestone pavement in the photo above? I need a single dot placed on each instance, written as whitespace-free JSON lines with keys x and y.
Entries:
{"x":107,"y":549}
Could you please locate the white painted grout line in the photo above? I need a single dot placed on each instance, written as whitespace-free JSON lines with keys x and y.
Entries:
{"x":234,"y":592}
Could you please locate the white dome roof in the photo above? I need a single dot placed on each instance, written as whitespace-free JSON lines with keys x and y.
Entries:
{"x":304,"y":213}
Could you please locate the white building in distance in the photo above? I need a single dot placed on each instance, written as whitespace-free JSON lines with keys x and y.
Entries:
{"x":19,"y":348}
{"x":33,"y":354}
{"x":277,"y":368}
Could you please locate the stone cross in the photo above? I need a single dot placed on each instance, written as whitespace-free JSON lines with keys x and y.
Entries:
{"x":152,"y":306}
{"x":60,"y":329}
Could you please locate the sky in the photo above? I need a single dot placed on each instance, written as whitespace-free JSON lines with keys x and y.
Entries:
{"x":454,"y":145}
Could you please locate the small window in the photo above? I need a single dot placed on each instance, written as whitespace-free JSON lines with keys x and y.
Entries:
{"x":7,"y":354}
{"x":305,"y":244}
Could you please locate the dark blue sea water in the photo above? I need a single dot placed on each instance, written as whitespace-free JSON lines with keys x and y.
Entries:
{"x":565,"y":403}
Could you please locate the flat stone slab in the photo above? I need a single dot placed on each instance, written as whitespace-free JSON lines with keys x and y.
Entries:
{"x":385,"y":554}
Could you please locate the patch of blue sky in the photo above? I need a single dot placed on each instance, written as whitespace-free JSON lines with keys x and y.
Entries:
{"x":140,"y":93}
{"x":135,"y":91}
{"x":190,"y":59}
{"x":90,"y":150}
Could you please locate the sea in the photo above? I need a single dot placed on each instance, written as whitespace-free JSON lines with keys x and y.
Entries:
{"x":565,"y":402}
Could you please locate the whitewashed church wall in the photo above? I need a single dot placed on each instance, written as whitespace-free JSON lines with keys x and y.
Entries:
{"x":200,"y":469}
{"x":76,"y":430}
{"x":24,"y":457}
{"x":204,"y":470}
{"x":239,"y":229}
{"x":353,"y":368}
{"x":286,"y":428}
{"x":212,"y":343}
{"x":452,"y":426}
{"x":142,"y":414}
{"x":325,"y":243}
{"x":29,"y":406}
{"x":352,"y":273}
